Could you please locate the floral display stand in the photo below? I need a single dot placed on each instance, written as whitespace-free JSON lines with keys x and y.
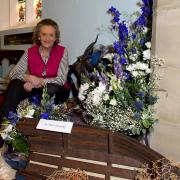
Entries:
{"x":97,"y":151}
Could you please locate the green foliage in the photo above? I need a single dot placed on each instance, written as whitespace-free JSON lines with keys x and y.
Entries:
{"x":20,"y":144}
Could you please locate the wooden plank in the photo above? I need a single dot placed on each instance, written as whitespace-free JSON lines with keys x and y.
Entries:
{"x":131,"y":148}
{"x":94,"y":178}
{"x":32,"y":131}
{"x":45,"y":159}
{"x":122,"y":173}
{"x":90,"y":167}
{"x":39,"y":169}
{"x":100,"y":169}
{"x":79,"y":144}
{"x":87,"y":154}
{"x":125,"y":160}
{"x":44,"y":144}
{"x":47,"y":139}
{"x":55,"y":150}
{"x":89,"y":130}
{"x":89,"y":137}
{"x":31,"y":175}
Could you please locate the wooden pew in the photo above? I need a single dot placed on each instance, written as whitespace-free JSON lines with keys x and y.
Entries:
{"x":100,"y":152}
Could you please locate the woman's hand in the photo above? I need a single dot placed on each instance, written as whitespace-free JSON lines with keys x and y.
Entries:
{"x":36,"y":82}
{"x":28,"y":86}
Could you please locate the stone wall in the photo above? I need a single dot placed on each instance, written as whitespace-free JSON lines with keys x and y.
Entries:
{"x":166,"y":44}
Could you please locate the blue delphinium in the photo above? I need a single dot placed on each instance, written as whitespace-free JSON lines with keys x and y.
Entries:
{"x":127,"y":75}
{"x":138,"y":105}
{"x":118,"y":70}
{"x":112,"y":10}
{"x":44,"y":115}
{"x":141,"y":94}
{"x":137,"y":116}
{"x":123,"y":60}
{"x":36,"y":100}
{"x":116,"y":14}
{"x":141,"y":22}
{"x":119,"y":48}
{"x":142,"y":42}
{"x":49,"y":105}
{"x":13,"y":117}
{"x":133,"y":50}
{"x":147,"y":8}
{"x":123,"y":32}
{"x":133,"y":36}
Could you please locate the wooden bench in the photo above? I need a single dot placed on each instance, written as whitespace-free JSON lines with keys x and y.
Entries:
{"x":100,"y":152}
{"x":13,"y":56}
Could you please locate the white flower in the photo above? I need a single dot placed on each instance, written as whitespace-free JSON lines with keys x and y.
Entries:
{"x":130,"y":68}
{"x":96,"y":99}
{"x":146,"y":54}
{"x":141,"y":66}
{"x":83,"y":88}
{"x":83,"y":91}
{"x":4,"y":136}
{"x":19,"y":114}
{"x":110,"y":88}
{"x":148,"y":45}
{"x":8,"y":128}
{"x":106,"y":97}
{"x":113,"y":102}
{"x":6,"y":131}
{"x":135,"y":73}
{"x":145,"y":29}
{"x":81,"y":97}
{"x":31,"y":112}
{"x":109,"y":56}
{"x":101,"y":87}
{"x":141,"y":73}
{"x":133,"y":57}
{"x":28,"y":116}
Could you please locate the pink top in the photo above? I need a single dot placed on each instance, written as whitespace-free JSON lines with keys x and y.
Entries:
{"x":37,"y":66}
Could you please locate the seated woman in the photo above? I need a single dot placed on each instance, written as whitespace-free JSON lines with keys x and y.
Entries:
{"x":45,"y":63}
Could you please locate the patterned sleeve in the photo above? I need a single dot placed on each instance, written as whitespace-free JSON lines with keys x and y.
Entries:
{"x":20,"y":69}
{"x":62,"y":71}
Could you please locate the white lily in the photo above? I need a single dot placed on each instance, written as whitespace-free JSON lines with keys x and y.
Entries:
{"x":146,"y":54}
{"x":148,"y":45}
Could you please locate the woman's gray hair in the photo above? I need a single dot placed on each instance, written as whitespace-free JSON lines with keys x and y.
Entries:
{"x":45,"y":22}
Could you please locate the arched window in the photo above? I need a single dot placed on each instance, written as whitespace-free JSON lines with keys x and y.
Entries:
{"x":38,"y":8}
{"x":19,"y":13}
{"x":33,"y":7}
{"x":22,"y":10}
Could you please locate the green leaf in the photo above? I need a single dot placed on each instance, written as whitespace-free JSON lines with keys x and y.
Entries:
{"x":136,"y":131}
{"x":146,"y":123}
{"x":20,"y":144}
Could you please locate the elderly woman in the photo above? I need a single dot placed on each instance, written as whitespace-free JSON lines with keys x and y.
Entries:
{"x":45,"y":63}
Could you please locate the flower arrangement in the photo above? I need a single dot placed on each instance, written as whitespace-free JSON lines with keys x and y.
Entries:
{"x":34,"y":108}
{"x":120,"y":93}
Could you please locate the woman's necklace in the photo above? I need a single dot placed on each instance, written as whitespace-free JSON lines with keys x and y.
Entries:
{"x":45,"y":57}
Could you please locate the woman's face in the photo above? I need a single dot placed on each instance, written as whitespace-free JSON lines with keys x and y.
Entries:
{"x":47,"y":36}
